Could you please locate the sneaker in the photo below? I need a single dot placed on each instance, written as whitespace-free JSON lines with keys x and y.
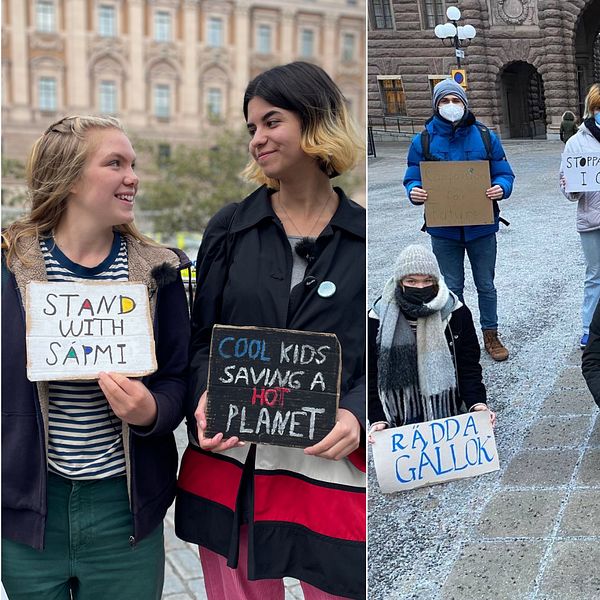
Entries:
{"x":493,"y":345}
{"x":584,"y":340}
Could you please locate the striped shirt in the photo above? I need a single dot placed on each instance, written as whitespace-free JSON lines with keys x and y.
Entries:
{"x":84,"y":434}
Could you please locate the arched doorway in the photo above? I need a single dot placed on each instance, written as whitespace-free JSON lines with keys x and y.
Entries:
{"x":523,"y":103}
{"x":587,"y":50}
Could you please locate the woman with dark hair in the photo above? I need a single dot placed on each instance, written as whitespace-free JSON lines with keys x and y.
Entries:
{"x":291,"y":255}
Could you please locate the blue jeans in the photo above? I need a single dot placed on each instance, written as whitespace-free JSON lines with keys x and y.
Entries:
{"x":590,"y":242}
{"x":482,"y":256}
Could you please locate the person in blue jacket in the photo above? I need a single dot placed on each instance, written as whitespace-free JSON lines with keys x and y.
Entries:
{"x":453,"y":133}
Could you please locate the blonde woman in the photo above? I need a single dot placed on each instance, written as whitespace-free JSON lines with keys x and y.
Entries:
{"x":291,"y":255}
{"x":586,"y":140}
{"x":88,"y":467}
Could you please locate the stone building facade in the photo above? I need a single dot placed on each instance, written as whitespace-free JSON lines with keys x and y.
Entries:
{"x":174,"y":71}
{"x":530,"y":61}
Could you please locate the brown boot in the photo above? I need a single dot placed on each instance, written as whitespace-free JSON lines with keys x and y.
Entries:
{"x":493,"y":345}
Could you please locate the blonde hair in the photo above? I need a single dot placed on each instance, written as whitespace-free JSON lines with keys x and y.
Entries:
{"x":55,"y":163}
{"x":328,"y":132}
{"x":592,"y":101}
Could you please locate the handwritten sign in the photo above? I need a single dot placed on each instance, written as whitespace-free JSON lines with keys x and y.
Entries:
{"x":434,"y":452}
{"x":75,"y":330}
{"x":582,"y":171}
{"x":456,"y":192}
{"x":273,"y":386}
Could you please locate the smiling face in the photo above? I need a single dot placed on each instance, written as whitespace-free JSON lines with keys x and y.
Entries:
{"x":275,"y":141}
{"x":105,"y":193}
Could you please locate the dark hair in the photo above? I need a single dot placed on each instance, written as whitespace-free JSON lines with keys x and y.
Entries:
{"x":328,"y":133}
{"x":300,"y":87}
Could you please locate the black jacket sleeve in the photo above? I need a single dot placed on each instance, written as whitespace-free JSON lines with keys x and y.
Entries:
{"x":590,"y":364}
{"x":211,"y":276}
{"x":375,"y":409}
{"x":461,"y":334}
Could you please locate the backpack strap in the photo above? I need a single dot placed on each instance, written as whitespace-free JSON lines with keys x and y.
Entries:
{"x":425,"y":144}
{"x":486,"y":138}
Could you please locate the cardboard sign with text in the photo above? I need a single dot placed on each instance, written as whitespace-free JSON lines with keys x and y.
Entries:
{"x":75,"y":330}
{"x":582,"y":171}
{"x":456,"y":192}
{"x":273,"y":386}
{"x":433,"y":452}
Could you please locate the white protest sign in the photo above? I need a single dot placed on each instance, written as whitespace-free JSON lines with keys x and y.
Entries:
{"x":75,"y":330}
{"x":423,"y":454}
{"x":582,"y":171}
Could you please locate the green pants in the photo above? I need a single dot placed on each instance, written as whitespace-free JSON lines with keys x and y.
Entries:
{"x":87,"y":551}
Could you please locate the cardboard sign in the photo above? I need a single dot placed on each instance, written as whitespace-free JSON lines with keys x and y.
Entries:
{"x":273,"y":386}
{"x":582,"y":171}
{"x":456,"y":192}
{"x":75,"y":330}
{"x":423,"y":454}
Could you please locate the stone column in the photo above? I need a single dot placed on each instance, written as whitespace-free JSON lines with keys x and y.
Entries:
{"x":78,"y":98}
{"x":136,"y":82}
{"x":288,"y":51}
{"x":20,"y":110}
{"x":189,"y":88}
{"x":241,"y":68}
{"x":331,"y":42}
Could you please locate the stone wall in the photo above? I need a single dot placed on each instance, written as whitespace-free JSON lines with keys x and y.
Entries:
{"x":538,"y":32}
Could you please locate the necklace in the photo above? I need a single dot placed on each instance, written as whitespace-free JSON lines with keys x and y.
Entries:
{"x":287,"y":214}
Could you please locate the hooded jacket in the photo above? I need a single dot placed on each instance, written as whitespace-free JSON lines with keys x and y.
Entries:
{"x":568,"y":126}
{"x":459,"y":142}
{"x":150,"y":452}
{"x":588,"y":203}
{"x":307,"y":514}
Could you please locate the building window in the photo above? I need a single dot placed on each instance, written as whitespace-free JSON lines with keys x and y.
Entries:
{"x":307,"y":43}
{"x":108,"y":97}
{"x":162,"y":26}
{"x":44,"y":17}
{"x":392,"y":95}
{"x":215,"y":103}
{"x":107,"y":24}
{"x":434,"y":13}
{"x":47,"y":94}
{"x":214,"y":37}
{"x":380,"y":13}
{"x":263,"y":39}
{"x":162,"y":101}
{"x":348,"y":47}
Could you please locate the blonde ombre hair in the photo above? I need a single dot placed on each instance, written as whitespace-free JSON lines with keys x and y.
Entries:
{"x":592,"y":101}
{"x":55,"y":163}
{"x":328,"y":132}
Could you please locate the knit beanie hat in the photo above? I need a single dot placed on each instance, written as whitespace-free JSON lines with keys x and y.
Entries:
{"x":416,"y":260}
{"x":446,"y":87}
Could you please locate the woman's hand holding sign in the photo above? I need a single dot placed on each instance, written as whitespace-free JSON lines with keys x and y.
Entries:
{"x":215,"y":443}
{"x":343,"y":439}
{"x":130,"y":399}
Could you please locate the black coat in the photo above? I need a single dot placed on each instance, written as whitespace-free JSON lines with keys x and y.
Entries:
{"x":244,"y":275}
{"x":246,"y":281}
{"x":590,"y":364}
{"x":464,"y":347}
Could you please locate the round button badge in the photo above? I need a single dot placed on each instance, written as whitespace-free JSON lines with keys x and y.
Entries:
{"x":326,"y":289}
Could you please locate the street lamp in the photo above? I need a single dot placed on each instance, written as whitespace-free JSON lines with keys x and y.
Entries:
{"x":458,"y":36}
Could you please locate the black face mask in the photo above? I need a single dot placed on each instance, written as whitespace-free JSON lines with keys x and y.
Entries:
{"x":416,"y":295}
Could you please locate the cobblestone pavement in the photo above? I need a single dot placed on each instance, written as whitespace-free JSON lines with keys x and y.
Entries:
{"x":532,"y":530}
{"x":183,"y":573}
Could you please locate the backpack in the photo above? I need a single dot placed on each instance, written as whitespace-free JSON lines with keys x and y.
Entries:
{"x":487,"y":143}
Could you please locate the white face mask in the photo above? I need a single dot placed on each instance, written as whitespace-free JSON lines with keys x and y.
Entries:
{"x":452,"y":112}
